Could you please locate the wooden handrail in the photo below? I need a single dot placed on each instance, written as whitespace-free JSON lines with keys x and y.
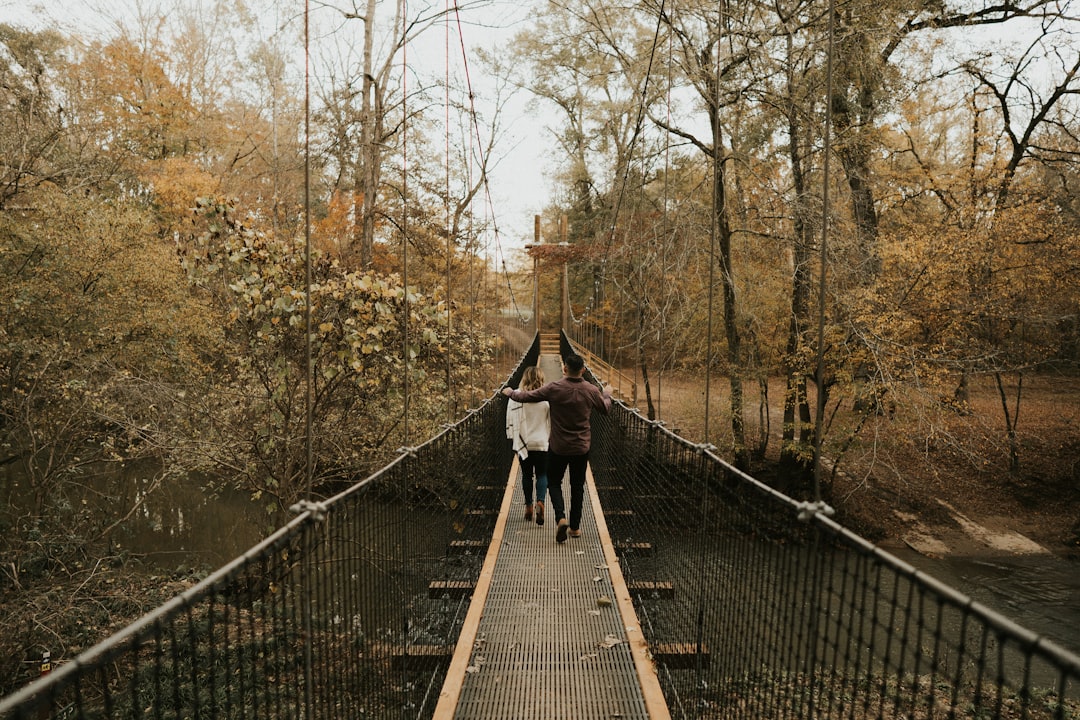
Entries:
{"x":620,"y":382}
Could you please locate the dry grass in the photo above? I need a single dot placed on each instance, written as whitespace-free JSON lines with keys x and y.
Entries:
{"x":922,"y":454}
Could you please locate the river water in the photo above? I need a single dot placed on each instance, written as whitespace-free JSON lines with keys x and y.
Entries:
{"x":1039,"y":592}
{"x":173,"y":526}
{"x":180,"y":527}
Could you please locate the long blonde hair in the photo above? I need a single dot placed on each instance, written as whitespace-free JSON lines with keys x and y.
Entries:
{"x":532,"y":379}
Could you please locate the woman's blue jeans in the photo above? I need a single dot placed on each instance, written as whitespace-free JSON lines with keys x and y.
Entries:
{"x":534,"y":465}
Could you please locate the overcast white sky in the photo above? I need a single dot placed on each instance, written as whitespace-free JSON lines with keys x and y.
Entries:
{"x":519,"y":186}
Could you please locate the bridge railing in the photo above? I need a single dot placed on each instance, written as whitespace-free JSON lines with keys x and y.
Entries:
{"x":622,"y":386}
{"x":351,"y":610}
{"x":757,"y":606}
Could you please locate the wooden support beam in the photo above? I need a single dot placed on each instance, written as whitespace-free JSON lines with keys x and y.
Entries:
{"x":662,"y":588}
{"x":422,"y":658}
{"x":451,"y":588}
{"x":680,"y":656}
{"x":637,"y":548}
{"x":463,"y":547}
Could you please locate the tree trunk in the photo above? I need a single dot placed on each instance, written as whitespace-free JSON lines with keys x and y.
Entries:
{"x":1011,"y":420}
{"x":651,"y":409}
{"x":367,"y":171}
{"x":854,"y":112}
{"x":731,"y":327}
{"x":855,"y":160}
{"x":796,"y":467}
{"x":764,"y":423}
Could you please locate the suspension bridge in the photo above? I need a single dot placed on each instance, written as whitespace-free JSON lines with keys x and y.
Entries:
{"x":695,"y":591}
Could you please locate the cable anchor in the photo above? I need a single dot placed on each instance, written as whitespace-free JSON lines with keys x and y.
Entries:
{"x":318,"y":510}
{"x":808,"y":510}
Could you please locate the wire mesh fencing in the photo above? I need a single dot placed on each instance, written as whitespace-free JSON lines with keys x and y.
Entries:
{"x":351,"y":610}
{"x":754,"y":606}
{"x":757,"y":606}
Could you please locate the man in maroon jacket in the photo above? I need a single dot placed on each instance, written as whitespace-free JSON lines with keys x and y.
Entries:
{"x":572,"y":400}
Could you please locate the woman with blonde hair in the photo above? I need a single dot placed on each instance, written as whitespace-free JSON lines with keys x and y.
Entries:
{"x":529,"y":427}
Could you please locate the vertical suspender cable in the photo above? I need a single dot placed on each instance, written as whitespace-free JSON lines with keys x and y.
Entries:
{"x":714,"y":230}
{"x":404,"y":538}
{"x":305,"y":571}
{"x":449,"y":243}
{"x":704,"y":528}
{"x":819,"y":418}
{"x":405,"y":210}
{"x":818,"y":580}
{"x":666,"y":231}
{"x":308,"y":364}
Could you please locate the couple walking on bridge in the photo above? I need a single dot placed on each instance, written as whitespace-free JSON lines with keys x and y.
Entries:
{"x":570,"y":402}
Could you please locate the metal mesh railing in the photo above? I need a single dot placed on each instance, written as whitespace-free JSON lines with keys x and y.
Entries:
{"x":349,"y":611}
{"x":756,"y":606}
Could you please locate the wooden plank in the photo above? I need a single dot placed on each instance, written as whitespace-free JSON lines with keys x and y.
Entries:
{"x":655,"y":704}
{"x":681,"y":656}
{"x":638,"y":548}
{"x":451,"y":588}
{"x":422,"y":658}
{"x":451,"y":691}
{"x":462,"y":547}
{"x":662,"y":587}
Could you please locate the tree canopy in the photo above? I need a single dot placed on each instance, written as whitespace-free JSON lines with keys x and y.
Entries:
{"x":692,"y":145}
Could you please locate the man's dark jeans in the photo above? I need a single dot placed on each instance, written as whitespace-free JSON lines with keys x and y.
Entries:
{"x":557,"y":466}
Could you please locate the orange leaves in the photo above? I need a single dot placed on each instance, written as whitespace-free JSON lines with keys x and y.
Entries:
{"x":988,"y":296}
{"x":335,"y":229}
{"x":136,"y":103}
{"x":176,"y":182}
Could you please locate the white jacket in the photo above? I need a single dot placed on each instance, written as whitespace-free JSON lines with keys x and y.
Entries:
{"x":528,"y":425}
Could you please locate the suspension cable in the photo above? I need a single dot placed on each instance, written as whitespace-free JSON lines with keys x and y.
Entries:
{"x":500,"y":258}
{"x":638,"y":124}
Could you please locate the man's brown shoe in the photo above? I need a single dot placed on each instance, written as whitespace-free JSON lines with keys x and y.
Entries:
{"x":539,"y":513}
{"x":528,"y":513}
{"x":560,"y":532}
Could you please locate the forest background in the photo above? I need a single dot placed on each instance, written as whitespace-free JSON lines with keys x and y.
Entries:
{"x":163,"y":177}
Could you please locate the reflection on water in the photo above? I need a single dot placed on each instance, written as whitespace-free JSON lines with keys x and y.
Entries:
{"x":174,"y":524}
{"x":182,"y":525}
{"x":1038,"y":592}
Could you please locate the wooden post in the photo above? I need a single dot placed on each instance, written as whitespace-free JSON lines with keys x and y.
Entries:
{"x":45,"y":669}
{"x":536,"y":274}
{"x":563,"y":232}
